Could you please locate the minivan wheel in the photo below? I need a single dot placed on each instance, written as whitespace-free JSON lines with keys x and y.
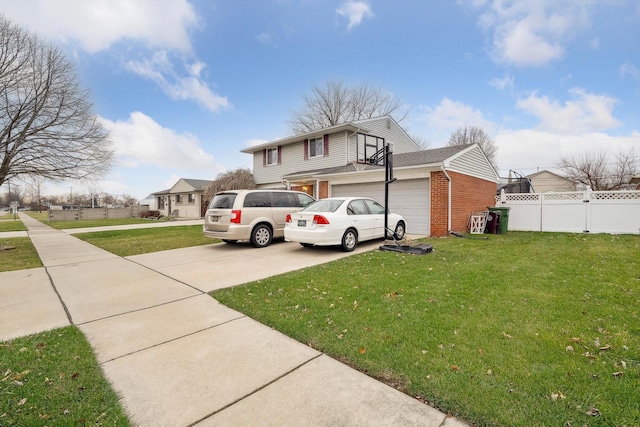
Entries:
{"x":349,"y":240}
{"x":399,"y":231}
{"x":261,"y":236}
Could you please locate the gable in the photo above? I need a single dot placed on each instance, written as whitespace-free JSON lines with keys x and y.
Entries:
{"x":472,"y":161}
{"x":189,"y":185}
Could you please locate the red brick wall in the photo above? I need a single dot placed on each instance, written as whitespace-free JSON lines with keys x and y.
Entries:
{"x":438,"y":204}
{"x":468,"y":194}
{"x":323,"y":190}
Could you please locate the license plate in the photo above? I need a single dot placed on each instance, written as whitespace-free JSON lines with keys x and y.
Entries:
{"x":214,"y":218}
{"x":302,"y":223}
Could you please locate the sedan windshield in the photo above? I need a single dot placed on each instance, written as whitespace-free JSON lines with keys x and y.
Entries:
{"x":324,"y":205}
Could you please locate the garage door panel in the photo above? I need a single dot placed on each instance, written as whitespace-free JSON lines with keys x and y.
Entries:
{"x":409,"y":198}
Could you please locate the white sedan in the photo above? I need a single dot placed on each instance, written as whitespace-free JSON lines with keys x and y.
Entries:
{"x":341,"y":221}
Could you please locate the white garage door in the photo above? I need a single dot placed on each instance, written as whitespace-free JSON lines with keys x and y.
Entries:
{"x":409,"y":198}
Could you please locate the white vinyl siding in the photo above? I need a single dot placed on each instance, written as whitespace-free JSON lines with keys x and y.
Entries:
{"x":409,"y":198}
{"x":473,"y":163}
{"x":340,"y":152}
{"x":292,"y":160}
{"x":392,"y":133}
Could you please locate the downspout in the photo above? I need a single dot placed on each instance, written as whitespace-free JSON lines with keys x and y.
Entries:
{"x":444,"y":170}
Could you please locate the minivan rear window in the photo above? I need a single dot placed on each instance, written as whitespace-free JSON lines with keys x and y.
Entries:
{"x":223,"y":201}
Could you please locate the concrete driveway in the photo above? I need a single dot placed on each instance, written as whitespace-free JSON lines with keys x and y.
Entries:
{"x":218,"y":266}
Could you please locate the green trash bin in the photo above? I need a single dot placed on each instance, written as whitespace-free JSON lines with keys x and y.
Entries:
{"x":504,"y":218}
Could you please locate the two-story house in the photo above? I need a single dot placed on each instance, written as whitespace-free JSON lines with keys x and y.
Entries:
{"x":435,"y":190}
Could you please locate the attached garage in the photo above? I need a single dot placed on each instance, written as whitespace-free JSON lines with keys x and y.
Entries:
{"x":409,"y":198}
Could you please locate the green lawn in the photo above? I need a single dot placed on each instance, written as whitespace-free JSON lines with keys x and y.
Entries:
{"x":53,"y":379}
{"x":18,"y":253}
{"x":11,"y":225}
{"x":82,"y":223}
{"x":523,"y":329}
{"x":145,"y":240}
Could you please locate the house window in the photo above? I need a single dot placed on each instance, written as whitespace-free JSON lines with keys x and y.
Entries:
{"x":316,"y":147}
{"x":272,"y":156}
{"x":160,"y":202}
{"x":178,"y":198}
{"x":192,"y":198}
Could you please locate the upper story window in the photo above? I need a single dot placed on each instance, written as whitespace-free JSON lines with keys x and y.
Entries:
{"x":272,"y":156}
{"x":316,"y":147}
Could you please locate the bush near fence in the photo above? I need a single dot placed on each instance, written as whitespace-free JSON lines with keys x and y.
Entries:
{"x":97,"y":213}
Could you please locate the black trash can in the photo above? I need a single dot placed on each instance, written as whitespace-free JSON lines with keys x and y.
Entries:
{"x":493,"y":223}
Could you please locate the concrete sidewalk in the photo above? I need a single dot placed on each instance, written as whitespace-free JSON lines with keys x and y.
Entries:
{"x":179,"y":358}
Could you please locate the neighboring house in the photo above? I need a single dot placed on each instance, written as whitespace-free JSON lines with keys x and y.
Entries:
{"x":184,"y":200}
{"x":636,"y":181}
{"x":149,"y":201}
{"x":435,"y":190}
{"x":545,"y":181}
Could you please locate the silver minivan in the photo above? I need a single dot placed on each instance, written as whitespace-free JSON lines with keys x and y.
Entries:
{"x":255,"y":215}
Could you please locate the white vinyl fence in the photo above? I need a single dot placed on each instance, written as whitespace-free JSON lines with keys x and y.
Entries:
{"x":615,"y":212}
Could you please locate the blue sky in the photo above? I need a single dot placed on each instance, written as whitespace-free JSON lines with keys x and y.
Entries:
{"x":183,"y":86}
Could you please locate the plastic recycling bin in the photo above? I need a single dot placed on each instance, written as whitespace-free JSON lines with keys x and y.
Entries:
{"x":504,"y":218}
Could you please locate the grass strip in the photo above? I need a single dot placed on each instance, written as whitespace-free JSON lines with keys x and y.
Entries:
{"x":522,"y":329}
{"x":86,"y":223}
{"x":146,"y":240}
{"x":53,"y":379}
{"x":18,"y":253}
{"x":11,"y":225}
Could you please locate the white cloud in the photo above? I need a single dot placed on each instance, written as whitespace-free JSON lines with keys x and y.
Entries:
{"x":159,"y":69}
{"x":532,"y":33}
{"x":527,"y":150}
{"x":586,"y":112}
{"x":630,"y":70}
{"x":100,"y":25}
{"x":505,"y":83}
{"x":452,"y":115}
{"x":97,"y":25}
{"x":355,"y":11}
{"x":142,"y":141}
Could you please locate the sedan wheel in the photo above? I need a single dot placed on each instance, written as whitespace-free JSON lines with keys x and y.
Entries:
{"x":349,"y":240}
{"x":399,"y":232}
{"x":261,"y":236}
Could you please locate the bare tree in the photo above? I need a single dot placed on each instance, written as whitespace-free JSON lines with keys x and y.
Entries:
{"x":336,"y":103}
{"x":237,"y":179}
{"x":599,"y":171}
{"x":35,"y":184}
{"x":423,"y":143}
{"x":475,"y":135}
{"x":47,"y":124}
{"x":93,"y":192}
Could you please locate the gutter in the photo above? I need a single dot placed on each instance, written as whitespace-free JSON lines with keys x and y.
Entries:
{"x":444,"y":170}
